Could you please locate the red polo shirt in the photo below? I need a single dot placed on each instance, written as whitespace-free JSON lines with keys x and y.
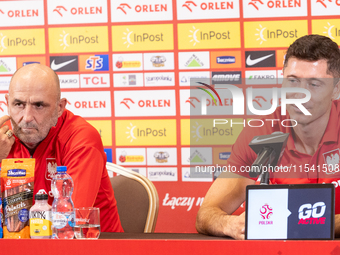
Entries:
{"x":296,"y":167}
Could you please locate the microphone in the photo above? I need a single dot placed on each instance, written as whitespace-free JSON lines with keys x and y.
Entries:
{"x":269,"y":150}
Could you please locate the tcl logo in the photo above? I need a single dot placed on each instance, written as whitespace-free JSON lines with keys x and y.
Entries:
{"x":191,"y":5}
{"x":309,"y":214}
{"x":79,"y":10}
{"x":275,"y":4}
{"x":22,"y":13}
{"x":124,"y":7}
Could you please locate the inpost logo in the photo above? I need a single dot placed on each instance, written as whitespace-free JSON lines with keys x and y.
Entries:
{"x":78,"y":39}
{"x":330,"y":28}
{"x":145,"y":132}
{"x":273,"y":33}
{"x":203,"y":132}
{"x":209,"y":35}
{"x":22,"y":41}
{"x":141,"y":38}
{"x":104,"y":127}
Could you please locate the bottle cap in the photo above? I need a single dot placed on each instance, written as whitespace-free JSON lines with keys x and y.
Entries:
{"x":61,"y":169}
{"x":41,"y":196}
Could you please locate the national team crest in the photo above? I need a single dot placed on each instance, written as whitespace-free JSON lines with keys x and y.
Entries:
{"x":332,"y":159}
{"x":51,"y":168}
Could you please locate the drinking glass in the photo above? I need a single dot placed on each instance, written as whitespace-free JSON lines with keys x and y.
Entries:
{"x":87,"y":223}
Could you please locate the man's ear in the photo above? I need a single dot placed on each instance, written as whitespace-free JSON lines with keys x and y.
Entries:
{"x":61,"y":106}
{"x":336,"y":90}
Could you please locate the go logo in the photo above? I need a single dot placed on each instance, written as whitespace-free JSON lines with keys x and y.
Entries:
{"x":309,"y":211}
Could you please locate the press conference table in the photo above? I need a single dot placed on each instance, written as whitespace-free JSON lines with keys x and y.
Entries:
{"x":165,"y":243}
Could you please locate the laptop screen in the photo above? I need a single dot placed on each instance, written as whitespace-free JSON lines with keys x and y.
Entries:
{"x":294,"y":211}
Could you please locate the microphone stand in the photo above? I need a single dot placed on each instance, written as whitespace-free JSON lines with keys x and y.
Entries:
{"x":264,"y":158}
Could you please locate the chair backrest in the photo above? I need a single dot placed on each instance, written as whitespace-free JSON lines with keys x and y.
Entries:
{"x":137,"y":200}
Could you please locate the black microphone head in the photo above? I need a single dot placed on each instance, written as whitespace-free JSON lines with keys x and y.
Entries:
{"x":277,"y":141}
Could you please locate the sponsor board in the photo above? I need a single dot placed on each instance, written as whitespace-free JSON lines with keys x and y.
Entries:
{"x":159,"y":79}
{"x":221,"y":155}
{"x":148,"y":10}
{"x":191,"y":102}
{"x":8,"y":66}
{"x":194,"y":60}
{"x":23,"y":61}
{"x":104,"y":128}
{"x":265,"y":34}
{"x":274,"y":8}
{"x":162,"y":174}
{"x":76,"y":11}
{"x":280,"y":57}
{"x":139,"y":170}
{"x":330,"y":28}
{"x":108,"y":153}
{"x":225,"y":59}
{"x":142,"y":37}
{"x":89,"y":103}
{"x":21,"y":13}
{"x":202,"y":9}
{"x":69,"y":81}
{"x":261,"y":77}
{"x":128,"y":79}
{"x":197,"y":156}
{"x":127,"y":62}
{"x":95,"y":80}
{"x":214,"y":35}
{"x":22,"y":41}
{"x":130,"y":156}
{"x":185,"y":77}
{"x":191,"y":174}
{"x":202,"y":132}
{"x":325,"y":8}
{"x":226,"y":77}
{"x":145,"y":103}
{"x":159,"y":61}
{"x":260,"y":59}
{"x":161,"y":156}
{"x":262,"y":99}
{"x":145,"y":132}
{"x":64,"y":63}
{"x":93,"y":63}
{"x":78,"y":39}
{"x":3,"y":105}
{"x":4,"y":82}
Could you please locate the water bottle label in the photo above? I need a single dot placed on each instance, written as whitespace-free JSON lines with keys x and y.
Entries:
{"x":59,"y":220}
{"x":71,"y":220}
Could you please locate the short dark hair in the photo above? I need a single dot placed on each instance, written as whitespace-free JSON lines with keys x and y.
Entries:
{"x":314,"y":48}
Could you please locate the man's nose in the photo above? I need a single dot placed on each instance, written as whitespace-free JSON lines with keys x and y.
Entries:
{"x":28,"y":114}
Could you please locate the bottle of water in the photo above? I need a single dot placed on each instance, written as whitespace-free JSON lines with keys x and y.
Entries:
{"x":63,"y":217}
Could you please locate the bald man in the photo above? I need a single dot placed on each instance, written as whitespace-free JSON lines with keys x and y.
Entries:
{"x":43,"y":129}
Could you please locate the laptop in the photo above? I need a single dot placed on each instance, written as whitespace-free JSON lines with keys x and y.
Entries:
{"x":290,"y":212}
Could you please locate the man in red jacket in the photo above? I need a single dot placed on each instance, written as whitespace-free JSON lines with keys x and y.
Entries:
{"x":43,"y":129}
{"x":312,"y":62}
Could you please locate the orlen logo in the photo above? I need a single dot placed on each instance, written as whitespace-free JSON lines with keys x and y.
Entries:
{"x":4,"y":103}
{"x":275,"y":4}
{"x":21,"y":13}
{"x":127,"y":101}
{"x":146,"y":103}
{"x":79,"y":10}
{"x":124,"y":7}
{"x":266,"y":212}
{"x":312,"y":214}
{"x":324,"y":2}
{"x":191,"y":5}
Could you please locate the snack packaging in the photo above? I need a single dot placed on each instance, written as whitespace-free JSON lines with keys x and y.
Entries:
{"x":17,"y":182}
